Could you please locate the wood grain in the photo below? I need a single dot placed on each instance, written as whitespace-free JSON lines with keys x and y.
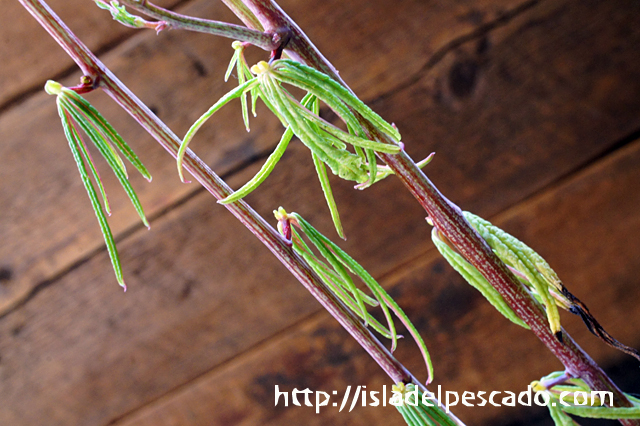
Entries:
{"x":171,"y":72}
{"x":30,"y":56}
{"x":473,"y":347}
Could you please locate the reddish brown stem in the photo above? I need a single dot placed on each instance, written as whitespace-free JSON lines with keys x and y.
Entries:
{"x":449,"y":220}
{"x":278,"y":245}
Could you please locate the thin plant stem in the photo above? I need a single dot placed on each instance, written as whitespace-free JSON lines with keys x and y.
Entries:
{"x":281,"y":248}
{"x":241,"y":11}
{"x":448,"y":218}
{"x":264,"y":40}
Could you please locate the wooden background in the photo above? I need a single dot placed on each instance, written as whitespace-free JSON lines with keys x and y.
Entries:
{"x":533,"y":109}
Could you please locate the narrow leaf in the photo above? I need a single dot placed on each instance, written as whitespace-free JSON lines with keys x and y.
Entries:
{"x":347,"y":137}
{"x":377,"y":290}
{"x":346,"y":96}
{"x":108,"y":131}
{"x":103,"y":146}
{"x":264,"y":171}
{"x":328,"y":194}
{"x":266,"y":168}
{"x":74,"y":143}
{"x":316,"y":238}
{"x":235,"y":93}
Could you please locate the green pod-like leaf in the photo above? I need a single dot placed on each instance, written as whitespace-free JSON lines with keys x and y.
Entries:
{"x":475,"y":279}
{"x":511,"y":251}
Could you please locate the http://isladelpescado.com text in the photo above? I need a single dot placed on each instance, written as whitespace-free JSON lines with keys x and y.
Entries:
{"x":354,"y":396}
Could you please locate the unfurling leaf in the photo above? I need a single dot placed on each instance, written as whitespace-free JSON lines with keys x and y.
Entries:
{"x":335,"y":272}
{"x":74,"y":111}
{"x":327,"y":143}
{"x":532,"y":270}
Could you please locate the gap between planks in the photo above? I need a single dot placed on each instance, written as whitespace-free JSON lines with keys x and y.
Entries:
{"x":393,"y":275}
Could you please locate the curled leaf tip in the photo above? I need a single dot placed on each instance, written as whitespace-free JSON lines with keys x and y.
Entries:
{"x":180,"y":168}
{"x":53,"y":87}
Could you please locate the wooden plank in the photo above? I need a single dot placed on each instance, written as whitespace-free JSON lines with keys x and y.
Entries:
{"x":30,"y":56}
{"x":154,"y":332}
{"x":530,"y":98}
{"x":24,"y":42}
{"x":593,"y":215}
{"x":157,"y":68}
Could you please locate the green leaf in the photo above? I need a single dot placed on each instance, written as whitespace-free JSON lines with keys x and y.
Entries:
{"x":323,"y":244}
{"x":103,"y":146}
{"x":235,"y":93}
{"x":267,"y":167}
{"x":264,"y":171}
{"x":315,"y":77}
{"x":348,"y":138}
{"x":104,"y":127}
{"x":340,"y":260}
{"x":74,"y":143}
{"x":475,"y":279}
{"x":120,"y":14}
{"x":328,"y":194}
{"x":420,"y":414}
{"x":338,"y":286}
{"x":316,"y":238}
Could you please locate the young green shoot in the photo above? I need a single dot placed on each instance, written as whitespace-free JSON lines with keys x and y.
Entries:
{"x":74,"y":111}
{"x":532,"y":271}
{"x":568,"y":395}
{"x":327,"y":143}
{"x":121,"y":15}
{"x":335,"y":271}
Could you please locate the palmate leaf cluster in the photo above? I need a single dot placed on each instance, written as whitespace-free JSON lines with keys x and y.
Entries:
{"x":76,"y":112}
{"x":328,"y":144}
{"x":334,"y":267}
